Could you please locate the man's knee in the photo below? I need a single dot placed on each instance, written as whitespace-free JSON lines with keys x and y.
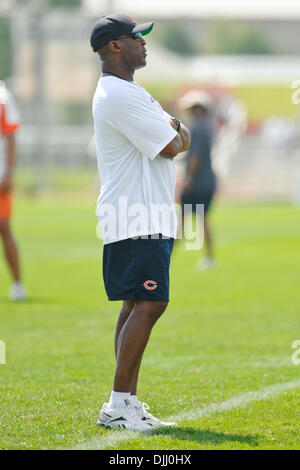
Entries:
{"x":151,"y":310}
{"x":127,"y":306}
{"x":4,"y":228}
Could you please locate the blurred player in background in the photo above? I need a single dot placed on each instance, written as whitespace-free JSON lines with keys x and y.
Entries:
{"x":9,"y":124}
{"x":201,"y":182}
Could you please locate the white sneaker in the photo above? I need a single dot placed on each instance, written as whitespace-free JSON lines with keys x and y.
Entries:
{"x":124,"y":416}
{"x":205,"y":263}
{"x":147,"y":417}
{"x":17,"y":292}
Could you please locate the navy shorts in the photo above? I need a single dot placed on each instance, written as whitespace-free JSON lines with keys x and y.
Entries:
{"x":138,"y":269}
{"x":194,"y":198}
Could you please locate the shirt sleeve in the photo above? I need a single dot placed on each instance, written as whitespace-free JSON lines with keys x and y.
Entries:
{"x":166,"y":114}
{"x":141,"y":120}
{"x":10,"y":118}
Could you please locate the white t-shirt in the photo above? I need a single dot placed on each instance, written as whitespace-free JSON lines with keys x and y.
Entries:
{"x":9,"y":123}
{"x":137,"y":190}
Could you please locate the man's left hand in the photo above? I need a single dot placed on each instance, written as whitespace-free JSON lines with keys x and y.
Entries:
{"x":187,"y":187}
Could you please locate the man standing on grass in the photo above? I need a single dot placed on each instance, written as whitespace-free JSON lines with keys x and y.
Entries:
{"x":136,"y":142}
{"x":200,"y":185}
{"x":9,"y":123}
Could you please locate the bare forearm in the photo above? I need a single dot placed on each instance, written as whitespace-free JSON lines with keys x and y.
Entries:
{"x":173,"y":148}
{"x":184,"y":135}
{"x":192,"y":169}
{"x":185,"y":138}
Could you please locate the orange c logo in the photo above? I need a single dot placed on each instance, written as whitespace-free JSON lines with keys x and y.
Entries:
{"x":150,"y":285}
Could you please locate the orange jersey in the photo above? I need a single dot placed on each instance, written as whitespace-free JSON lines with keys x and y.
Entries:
{"x":9,"y":123}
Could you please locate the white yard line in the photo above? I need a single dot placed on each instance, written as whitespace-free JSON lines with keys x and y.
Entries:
{"x":113,"y":438}
{"x":240,"y":401}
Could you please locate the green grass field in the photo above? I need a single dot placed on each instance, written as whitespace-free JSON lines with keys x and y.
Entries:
{"x":226,"y":333}
{"x":261,"y":100}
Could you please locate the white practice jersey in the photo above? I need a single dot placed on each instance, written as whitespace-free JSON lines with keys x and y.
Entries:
{"x":137,"y":184}
{"x":9,"y":123}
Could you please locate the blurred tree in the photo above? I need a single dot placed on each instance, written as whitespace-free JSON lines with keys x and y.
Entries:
{"x":176,"y":39}
{"x":56,"y":3}
{"x":5,"y":49}
{"x":253,"y":41}
{"x":64,"y":3}
{"x":230,"y":38}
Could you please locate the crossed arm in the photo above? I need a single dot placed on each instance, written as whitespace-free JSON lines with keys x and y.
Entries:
{"x":180,"y":143}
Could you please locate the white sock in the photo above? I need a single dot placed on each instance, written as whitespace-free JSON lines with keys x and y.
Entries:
{"x":18,"y":284}
{"x":133,"y":399}
{"x":116,"y":398}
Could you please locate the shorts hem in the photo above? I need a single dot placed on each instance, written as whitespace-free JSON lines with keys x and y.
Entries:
{"x":138,"y":298}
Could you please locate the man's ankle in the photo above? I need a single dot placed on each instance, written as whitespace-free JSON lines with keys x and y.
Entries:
{"x":117,"y":398}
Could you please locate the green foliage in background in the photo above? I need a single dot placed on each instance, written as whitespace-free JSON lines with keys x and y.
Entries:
{"x":5,"y":48}
{"x":54,"y":3}
{"x":64,"y":3}
{"x":176,"y":39}
{"x":222,"y":38}
{"x":232,"y":38}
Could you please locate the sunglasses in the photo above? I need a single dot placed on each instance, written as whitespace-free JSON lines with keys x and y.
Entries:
{"x":137,"y":36}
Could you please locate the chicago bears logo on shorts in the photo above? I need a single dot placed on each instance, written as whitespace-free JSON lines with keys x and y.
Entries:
{"x":150,"y":285}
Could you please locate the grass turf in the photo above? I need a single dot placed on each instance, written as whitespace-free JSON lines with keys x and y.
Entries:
{"x":261,"y":100}
{"x":226,"y":332}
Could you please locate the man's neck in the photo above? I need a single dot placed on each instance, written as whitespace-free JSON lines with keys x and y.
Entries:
{"x":117,"y":72}
{"x":108,"y":74}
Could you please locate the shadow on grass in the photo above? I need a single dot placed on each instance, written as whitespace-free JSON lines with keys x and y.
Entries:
{"x":204,"y":436}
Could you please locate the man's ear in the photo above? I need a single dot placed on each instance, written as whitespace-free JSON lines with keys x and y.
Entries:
{"x":114,"y":47}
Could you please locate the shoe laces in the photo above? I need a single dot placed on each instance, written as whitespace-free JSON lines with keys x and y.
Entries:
{"x":130,"y":411}
{"x":144,"y":407}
